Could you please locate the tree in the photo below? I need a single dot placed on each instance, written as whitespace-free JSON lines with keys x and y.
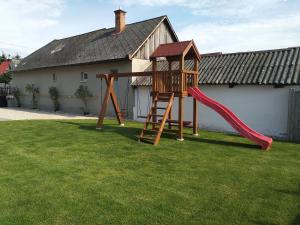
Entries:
{"x":3,"y":58}
{"x":34,"y":91}
{"x":84,"y":94}
{"x":6,"y":77}
{"x":53,"y":92}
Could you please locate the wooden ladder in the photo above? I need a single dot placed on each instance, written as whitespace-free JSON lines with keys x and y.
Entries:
{"x":153,"y":134}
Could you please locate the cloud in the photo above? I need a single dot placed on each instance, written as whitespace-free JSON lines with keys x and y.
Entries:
{"x":26,"y":21}
{"x":254,"y":35}
{"x":220,"y":8}
{"x":235,"y":25}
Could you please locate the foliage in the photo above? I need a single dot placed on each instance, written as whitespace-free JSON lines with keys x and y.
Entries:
{"x":54,"y":95}
{"x":4,"y":57}
{"x":6,"y":77}
{"x":34,"y":91}
{"x":84,"y":94}
{"x":65,"y":172}
{"x":17,"y":95}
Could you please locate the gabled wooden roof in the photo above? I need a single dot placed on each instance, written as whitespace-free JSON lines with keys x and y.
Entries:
{"x":176,"y":49}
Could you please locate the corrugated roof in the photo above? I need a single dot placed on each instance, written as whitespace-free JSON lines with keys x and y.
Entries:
{"x":4,"y":67}
{"x":96,"y":46}
{"x":269,"y":67}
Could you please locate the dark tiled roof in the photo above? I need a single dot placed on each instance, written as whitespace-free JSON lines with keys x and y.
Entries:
{"x":96,"y":46}
{"x":269,"y":67}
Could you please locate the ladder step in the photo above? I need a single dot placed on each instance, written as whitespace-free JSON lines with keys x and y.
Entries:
{"x":165,"y":93}
{"x":146,"y":139}
{"x":150,"y":131}
{"x":159,"y":108}
{"x":177,"y":122}
{"x":157,"y":115}
{"x":162,"y":100}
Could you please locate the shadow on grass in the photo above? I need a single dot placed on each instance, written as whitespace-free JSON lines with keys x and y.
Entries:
{"x":128,"y":132}
{"x":132,"y":132}
{"x":213,"y":141}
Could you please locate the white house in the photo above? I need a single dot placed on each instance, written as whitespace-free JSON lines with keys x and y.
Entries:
{"x":69,"y":62}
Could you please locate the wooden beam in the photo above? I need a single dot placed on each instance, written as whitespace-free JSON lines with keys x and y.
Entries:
{"x":180,"y":119}
{"x":195,"y":106}
{"x":170,"y":112}
{"x":105,"y":102}
{"x":109,"y":93}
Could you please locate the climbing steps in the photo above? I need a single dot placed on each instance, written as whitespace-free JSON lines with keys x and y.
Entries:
{"x":153,"y":128}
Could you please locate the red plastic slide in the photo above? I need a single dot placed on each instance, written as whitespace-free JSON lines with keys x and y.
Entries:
{"x":232,"y":119}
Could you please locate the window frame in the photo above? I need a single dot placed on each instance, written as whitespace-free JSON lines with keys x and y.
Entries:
{"x":84,"y":77}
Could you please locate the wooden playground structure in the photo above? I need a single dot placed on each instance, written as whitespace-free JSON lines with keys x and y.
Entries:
{"x":166,"y":86}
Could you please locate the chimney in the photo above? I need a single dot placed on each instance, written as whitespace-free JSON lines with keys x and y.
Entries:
{"x":120,"y":20}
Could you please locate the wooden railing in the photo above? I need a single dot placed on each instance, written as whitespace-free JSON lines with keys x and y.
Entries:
{"x":174,"y":81}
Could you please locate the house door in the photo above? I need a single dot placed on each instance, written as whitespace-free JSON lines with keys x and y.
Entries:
{"x":294,"y":115}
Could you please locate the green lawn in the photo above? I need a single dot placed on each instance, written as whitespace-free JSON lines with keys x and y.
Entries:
{"x":66,"y":172}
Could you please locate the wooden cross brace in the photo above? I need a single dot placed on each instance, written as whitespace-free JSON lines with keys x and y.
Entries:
{"x":110,"y":92}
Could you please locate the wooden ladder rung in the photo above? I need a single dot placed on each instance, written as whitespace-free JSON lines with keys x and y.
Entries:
{"x":162,"y":100}
{"x":147,"y":139}
{"x":150,"y":131}
{"x":176,"y":122}
{"x":157,"y":115}
{"x":159,"y":108}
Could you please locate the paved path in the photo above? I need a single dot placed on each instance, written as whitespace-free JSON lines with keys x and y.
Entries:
{"x":28,"y":114}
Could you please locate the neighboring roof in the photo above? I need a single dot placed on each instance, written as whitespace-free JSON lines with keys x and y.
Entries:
{"x":269,"y":67}
{"x":97,"y":46}
{"x":4,"y":67}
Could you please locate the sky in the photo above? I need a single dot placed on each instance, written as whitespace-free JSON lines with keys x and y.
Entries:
{"x":215,"y":25}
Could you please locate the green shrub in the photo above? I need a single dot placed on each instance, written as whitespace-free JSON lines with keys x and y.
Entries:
{"x":54,"y":95}
{"x":84,"y":94}
{"x":17,"y":95}
{"x":34,"y":91}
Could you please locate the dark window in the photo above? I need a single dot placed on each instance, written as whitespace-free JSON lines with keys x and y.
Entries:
{"x":54,"y":77}
{"x":84,"y":77}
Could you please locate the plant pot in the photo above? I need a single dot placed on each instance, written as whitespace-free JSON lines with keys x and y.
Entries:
{"x":3,"y":101}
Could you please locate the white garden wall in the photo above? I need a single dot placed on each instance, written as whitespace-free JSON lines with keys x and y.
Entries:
{"x":263,"y":108}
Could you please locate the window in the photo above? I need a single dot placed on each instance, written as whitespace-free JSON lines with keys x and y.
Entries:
{"x":84,"y":77}
{"x":54,"y":77}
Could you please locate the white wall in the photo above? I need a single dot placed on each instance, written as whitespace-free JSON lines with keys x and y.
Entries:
{"x":68,"y":80}
{"x":263,"y":108}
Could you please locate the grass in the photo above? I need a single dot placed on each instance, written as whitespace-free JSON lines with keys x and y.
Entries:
{"x":66,"y":172}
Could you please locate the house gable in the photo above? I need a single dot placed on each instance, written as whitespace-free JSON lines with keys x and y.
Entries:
{"x":162,"y":34}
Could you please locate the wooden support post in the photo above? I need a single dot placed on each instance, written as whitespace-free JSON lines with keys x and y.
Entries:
{"x":195,"y":106}
{"x":180,"y":99}
{"x":171,"y":88}
{"x":180,"y":119}
{"x":109,"y":93}
{"x":154,"y":93}
{"x":195,"y":119}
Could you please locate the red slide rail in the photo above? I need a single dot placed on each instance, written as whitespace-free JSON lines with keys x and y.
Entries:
{"x":232,"y":119}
